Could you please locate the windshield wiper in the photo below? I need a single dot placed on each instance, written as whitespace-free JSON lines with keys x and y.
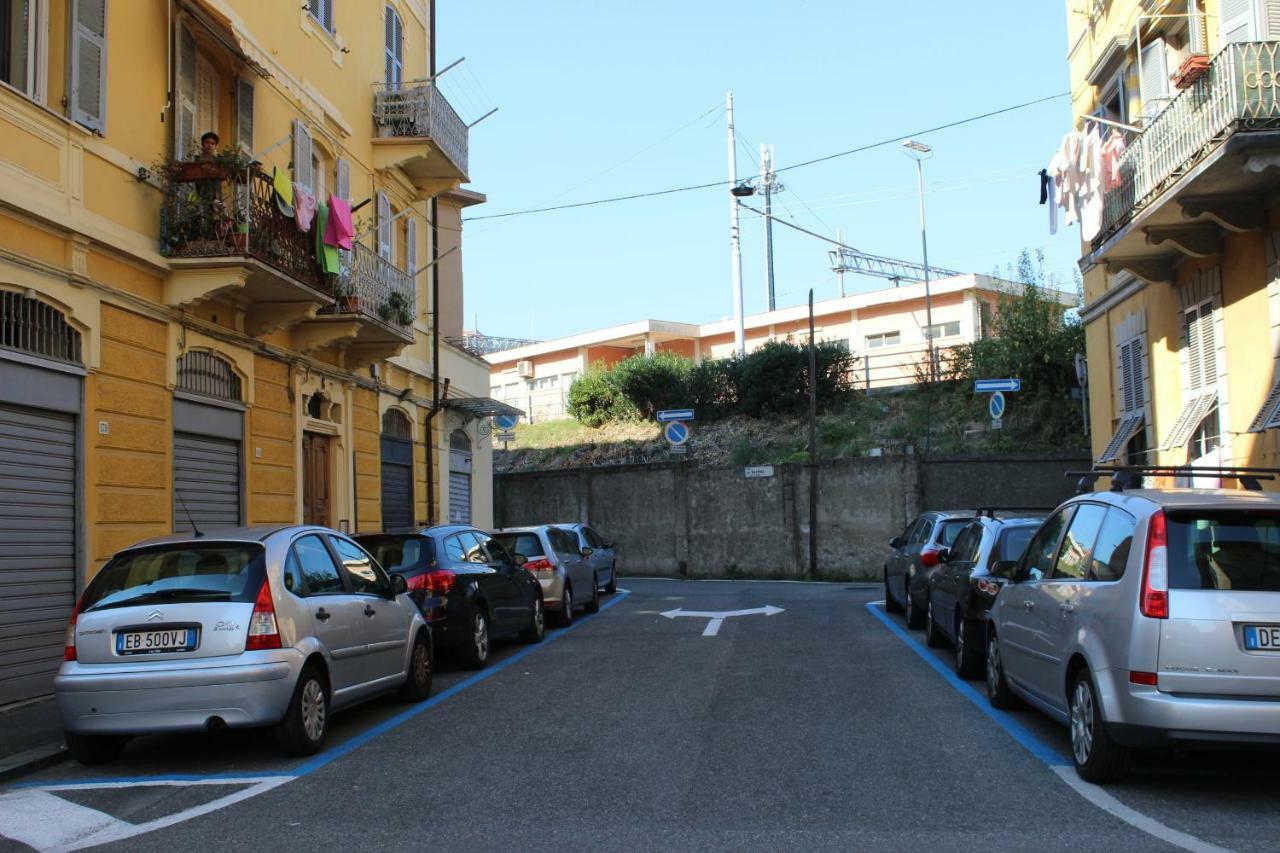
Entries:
{"x":165,"y":595}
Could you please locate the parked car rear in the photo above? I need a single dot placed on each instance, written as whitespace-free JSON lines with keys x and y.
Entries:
{"x":914,"y":556}
{"x":598,"y":552}
{"x":553,"y":556}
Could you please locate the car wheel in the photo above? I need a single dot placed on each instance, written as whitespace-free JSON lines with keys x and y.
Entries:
{"x":538,"y":624}
{"x":932,"y":636}
{"x":475,"y":647}
{"x":998,"y":692}
{"x":94,"y":749}
{"x":306,"y":723}
{"x":1097,"y":757}
{"x":890,"y":605}
{"x":613,"y":580}
{"x":915,"y":618}
{"x":593,"y":606}
{"x":417,"y":686}
{"x":565,"y":617}
{"x":968,"y":651}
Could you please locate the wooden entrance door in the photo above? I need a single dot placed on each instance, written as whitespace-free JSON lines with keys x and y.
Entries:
{"x":315,"y":479}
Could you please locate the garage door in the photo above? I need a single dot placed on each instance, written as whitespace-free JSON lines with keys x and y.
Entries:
{"x":206,"y":476}
{"x":37,"y":546}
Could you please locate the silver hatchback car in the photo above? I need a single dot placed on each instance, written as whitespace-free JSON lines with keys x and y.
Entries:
{"x":553,"y":555}
{"x":238,"y":627}
{"x":1145,"y":618}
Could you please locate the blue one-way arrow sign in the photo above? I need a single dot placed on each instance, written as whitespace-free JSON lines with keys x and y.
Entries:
{"x":675,"y":415}
{"x":988,"y":386}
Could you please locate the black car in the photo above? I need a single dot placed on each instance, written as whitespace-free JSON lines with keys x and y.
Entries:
{"x":963,"y":588}
{"x":469,"y":588}
{"x":916,"y":553}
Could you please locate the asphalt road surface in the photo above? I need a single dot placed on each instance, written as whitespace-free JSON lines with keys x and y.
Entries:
{"x":826,"y":726}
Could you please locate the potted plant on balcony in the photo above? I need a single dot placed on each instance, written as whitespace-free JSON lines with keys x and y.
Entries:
{"x":397,"y":309}
{"x":1192,"y":69}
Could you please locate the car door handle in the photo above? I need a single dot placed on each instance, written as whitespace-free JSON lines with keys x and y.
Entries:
{"x":368,"y":610}
{"x":1029,"y":605}
{"x":323,"y":615}
{"x":1067,"y":607}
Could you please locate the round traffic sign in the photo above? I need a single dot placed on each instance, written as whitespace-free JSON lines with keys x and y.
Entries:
{"x":505,"y":421}
{"x":996,"y":406}
{"x":677,"y":432}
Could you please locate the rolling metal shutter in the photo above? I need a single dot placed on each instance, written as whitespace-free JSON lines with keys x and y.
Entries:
{"x":206,"y":474}
{"x":459,"y":497}
{"x":397,"y":482}
{"x":37,"y":546}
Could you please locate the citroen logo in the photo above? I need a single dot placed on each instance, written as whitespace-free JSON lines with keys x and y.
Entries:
{"x":155,"y":616}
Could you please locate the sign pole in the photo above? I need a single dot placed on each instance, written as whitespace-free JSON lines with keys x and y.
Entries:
{"x":813,"y":447}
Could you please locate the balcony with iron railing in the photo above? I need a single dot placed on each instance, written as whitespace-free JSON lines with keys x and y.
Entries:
{"x":1239,"y":93}
{"x":380,"y":293}
{"x":409,"y":114}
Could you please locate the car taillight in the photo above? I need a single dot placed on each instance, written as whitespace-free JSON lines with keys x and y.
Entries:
{"x":929,"y":558}
{"x":1154,"y":602}
{"x":543,"y":565}
{"x":439,"y":582}
{"x":418,"y":582}
{"x":263,"y":631}
{"x":69,"y":647}
{"x":987,"y":586}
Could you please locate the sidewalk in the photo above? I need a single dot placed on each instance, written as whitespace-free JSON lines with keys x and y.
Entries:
{"x":30,"y":738}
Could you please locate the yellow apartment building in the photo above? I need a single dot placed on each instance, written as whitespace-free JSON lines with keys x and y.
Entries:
{"x":1182,"y":278}
{"x":886,"y":330}
{"x":183,"y":337}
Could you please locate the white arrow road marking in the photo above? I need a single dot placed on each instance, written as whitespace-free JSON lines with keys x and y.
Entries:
{"x":44,"y":821}
{"x":717,"y":617}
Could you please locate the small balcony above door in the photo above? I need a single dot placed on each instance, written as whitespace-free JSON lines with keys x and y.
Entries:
{"x":419,"y":132}
{"x":372,"y":317}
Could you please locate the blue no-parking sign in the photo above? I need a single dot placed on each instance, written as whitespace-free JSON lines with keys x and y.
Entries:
{"x":676,"y":432}
{"x":996,"y":406}
{"x":505,"y":422}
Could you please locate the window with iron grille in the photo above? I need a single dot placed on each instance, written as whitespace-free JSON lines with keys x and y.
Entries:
{"x":206,"y":374}
{"x":30,"y":326}
{"x":396,"y":425}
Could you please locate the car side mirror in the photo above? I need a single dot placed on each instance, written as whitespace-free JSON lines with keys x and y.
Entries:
{"x":896,"y":542}
{"x":520,"y":559}
{"x":944,"y":555}
{"x":1006,"y":569}
{"x":587,"y":552}
{"x":399,"y":586}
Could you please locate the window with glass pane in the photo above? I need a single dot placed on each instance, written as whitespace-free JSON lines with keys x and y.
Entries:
{"x":965,"y":549}
{"x":1038,"y":561}
{"x":942,"y":330}
{"x":884,"y":339}
{"x":366,"y":576}
{"x":1073,"y":558}
{"x":1112,"y":549}
{"x":921,"y":533}
{"x":313,"y":568}
{"x":18,"y":44}
{"x":1013,"y":542}
{"x":471,"y":549}
{"x":454,"y":551}
{"x":1207,"y":437}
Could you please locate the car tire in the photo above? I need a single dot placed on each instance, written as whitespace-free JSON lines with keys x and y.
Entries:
{"x":593,"y":605}
{"x":932,"y":636}
{"x":417,"y":684}
{"x":94,"y":749}
{"x":613,"y":580}
{"x":1097,"y":757}
{"x":537,"y":624}
{"x":998,"y":692}
{"x":565,"y":617}
{"x":475,"y":642}
{"x":890,"y":605}
{"x":915,"y":618}
{"x":306,"y":723}
{"x":968,"y":649}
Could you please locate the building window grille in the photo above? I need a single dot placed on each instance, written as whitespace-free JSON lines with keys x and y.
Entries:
{"x":30,"y":326}
{"x":396,"y":425}
{"x":208,"y":375}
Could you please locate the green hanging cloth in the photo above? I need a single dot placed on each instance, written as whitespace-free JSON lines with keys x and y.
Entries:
{"x":326,"y":255}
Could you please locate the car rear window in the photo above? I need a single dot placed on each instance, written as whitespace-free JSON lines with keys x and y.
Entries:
{"x":1014,"y":541}
{"x":1236,"y":550}
{"x":395,"y":553}
{"x":528,"y":544}
{"x":950,"y":530}
{"x":185,"y":573}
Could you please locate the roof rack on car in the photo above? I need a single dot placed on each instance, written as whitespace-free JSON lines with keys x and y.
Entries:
{"x":990,"y":511}
{"x":1130,"y":476}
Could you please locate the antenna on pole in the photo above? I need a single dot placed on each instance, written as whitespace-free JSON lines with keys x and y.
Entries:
{"x":190,"y":519}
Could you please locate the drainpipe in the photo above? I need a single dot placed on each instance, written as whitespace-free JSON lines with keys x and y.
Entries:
{"x":435,"y":314}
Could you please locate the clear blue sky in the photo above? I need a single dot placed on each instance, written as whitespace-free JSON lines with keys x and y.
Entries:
{"x":591,"y":95}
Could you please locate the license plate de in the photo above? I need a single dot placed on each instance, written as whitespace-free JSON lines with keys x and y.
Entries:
{"x":155,"y":642}
{"x":1262,"y":638}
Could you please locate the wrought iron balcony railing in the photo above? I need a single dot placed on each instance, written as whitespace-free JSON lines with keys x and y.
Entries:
{"x":418,"y":109}
{"x":1241,"y":91}
{"x":377,"y":289}
{"x":209,"y":214}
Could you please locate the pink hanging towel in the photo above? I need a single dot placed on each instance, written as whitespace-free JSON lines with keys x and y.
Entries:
{"x":340,"y":230}
{"x":304,"y":207}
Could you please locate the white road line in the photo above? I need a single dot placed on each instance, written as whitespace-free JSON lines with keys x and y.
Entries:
{"x":158,"y":783}
{"x":1100,"y":798}
{"x":46,"y":822}
{"x":713,"y":628}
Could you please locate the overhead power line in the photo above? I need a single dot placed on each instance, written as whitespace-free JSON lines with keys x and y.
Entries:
{"x":814,"y":161}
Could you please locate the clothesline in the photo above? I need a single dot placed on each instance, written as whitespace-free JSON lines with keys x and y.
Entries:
{"x":1111,"y":123}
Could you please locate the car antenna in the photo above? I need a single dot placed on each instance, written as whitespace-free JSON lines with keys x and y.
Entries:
{"x":190,"y":519}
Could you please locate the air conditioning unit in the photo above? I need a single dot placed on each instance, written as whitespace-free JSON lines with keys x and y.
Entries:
{"x":524,"y":369}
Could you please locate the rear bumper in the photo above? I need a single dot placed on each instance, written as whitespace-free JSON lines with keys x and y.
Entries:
{"x":175,"y":699}
{"x":1150,"y":718}
{"x":552,"y":591}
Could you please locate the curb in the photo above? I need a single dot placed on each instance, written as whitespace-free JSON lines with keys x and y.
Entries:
{"x":31,"y":760}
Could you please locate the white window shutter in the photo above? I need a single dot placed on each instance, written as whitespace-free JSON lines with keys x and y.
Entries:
{"x":1270,"y":20}
{"x":410,"y":245}
{"x":89,"y":63}
{"x":302,"y":154}
{"x":342,"y":180}
{"x":393,"y":47}
{"x":1208,"y":348}
{"x":1155,"y":81}
{"x":184,"y":102}
{"x":244,"y":115}
{"x":1235,"y":21}
{"x":384,"y":226}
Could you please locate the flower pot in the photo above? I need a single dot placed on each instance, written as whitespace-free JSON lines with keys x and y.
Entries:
{"x":239,"y":241}
{"x":349,"y":304}
{"x":196,"y":170}
{"x":1192,"y":69}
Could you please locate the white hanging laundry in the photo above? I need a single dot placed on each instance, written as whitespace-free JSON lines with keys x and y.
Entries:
{"x":1090,"y":188}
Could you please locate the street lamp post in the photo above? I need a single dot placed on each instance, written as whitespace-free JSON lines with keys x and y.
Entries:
{"x":920,"y":152}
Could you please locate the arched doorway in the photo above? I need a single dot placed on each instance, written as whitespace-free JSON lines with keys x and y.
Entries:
{"x":208,"y":434}
{"x":459,"y":477}
{"x":397,"y":470}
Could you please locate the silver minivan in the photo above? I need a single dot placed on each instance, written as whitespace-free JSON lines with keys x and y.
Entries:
{"x":236,"y":627}
{"x":1145,"y":618}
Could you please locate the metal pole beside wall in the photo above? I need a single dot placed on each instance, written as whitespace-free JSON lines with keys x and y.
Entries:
{"x":813,"y":446}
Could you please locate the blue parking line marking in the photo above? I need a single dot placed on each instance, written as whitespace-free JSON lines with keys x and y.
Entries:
{"x":1032,"y":744}
{"x":330,"y":755}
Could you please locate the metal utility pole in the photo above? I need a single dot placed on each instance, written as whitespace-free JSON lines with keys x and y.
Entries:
{"x":840,"y":267}
{"x":768,"y":183}
{"x":920,"y":152}
{"x":813,"y":447}
{"x":735,"y":245}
